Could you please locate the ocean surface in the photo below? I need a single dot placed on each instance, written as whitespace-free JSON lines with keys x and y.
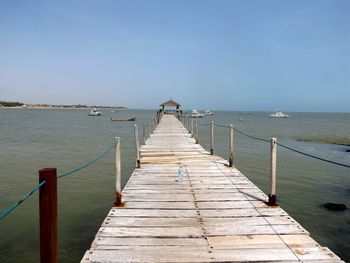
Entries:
{"x":31,"y":139}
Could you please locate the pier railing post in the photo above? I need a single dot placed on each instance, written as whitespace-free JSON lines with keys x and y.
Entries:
{"x":188,"y":124}
{"x":230,"y":160}
{"x":192,"y":132}
{"x":153,"y":125}
{"x":197,"y":134}
{"x":211,"y":137}
{"x":137,"y":146}
{"x":48,"y":215}
{"x":272,"y":195}
{"x":144,"y":133}
{"x":118,"y":187}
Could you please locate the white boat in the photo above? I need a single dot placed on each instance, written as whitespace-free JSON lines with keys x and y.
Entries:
{"x":94,"y":112}
{"x":208,"y":112}
{"x":279,"y":114}
{"x":196,"y":114}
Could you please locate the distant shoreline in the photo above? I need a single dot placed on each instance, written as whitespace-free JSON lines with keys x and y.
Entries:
{"x":59,"y":108}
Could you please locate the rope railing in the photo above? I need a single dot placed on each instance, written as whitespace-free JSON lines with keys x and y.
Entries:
{"x":221,"y":125}
{"x":23,"y":199}
{"x":80,"y":167}
{"x":251,"y":136}
{"x":295,"y":150}
{"x":273,"y":144}
{"x":313,"y":156}
{"x":37,"y":187}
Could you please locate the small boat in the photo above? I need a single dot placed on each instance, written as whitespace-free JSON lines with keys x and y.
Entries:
{"x":94,"y":112}
{"x":127,"y":119}
{"x":208,"y":112}
{"x":240,"y":119}
{"x":279,"y":114}
{"x":196,"y":114}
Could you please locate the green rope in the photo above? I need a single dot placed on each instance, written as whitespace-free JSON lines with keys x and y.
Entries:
{"x":86,"y":164}
{"x":24,"y":198}
{"x":37,"y":187}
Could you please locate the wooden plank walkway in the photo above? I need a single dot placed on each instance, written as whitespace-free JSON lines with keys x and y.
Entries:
{"x":216,"y":215}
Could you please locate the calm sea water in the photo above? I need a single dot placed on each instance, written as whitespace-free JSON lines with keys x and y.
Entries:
{"x":33,"y":139}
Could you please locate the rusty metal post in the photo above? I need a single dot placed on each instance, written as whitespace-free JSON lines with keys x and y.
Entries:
{"x":211,"y":137}
{"x":137,"y":146}
{"x":118,"y":188}
{"x":230,"y":160}
{"x":48,"y":215}
{"x":197,"y":134}
{"x":272,"y":195}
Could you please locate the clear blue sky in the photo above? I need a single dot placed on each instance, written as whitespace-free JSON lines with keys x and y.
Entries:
{"x":221,"y":55}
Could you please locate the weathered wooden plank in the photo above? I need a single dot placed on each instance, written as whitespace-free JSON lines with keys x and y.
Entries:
{"x":149,"y":241}
{"x":150,"y":232}
{"x":160,"y":205}
{"x":151,"y":213}
{"x":242,"y":255}
{"x":150,"y":221}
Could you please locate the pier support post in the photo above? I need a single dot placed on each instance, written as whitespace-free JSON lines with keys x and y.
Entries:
{"x":137,"y":146}
{"x":153,"y":125}
{"x":188,"y":125}
{"x":272,"y":195}
{"x":231,"y":141}
{"x":197,"y":134}
{"x":211,"y":137}
{"x":48,"y":215}
{"x":118,"y":188}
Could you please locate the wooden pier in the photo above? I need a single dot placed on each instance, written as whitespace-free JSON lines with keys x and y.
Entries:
{"x":215,"y":215}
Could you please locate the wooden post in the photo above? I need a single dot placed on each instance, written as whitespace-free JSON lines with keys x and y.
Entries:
{"x":118,"y":187}
{"x":144,"y":133}
{"x":272,"y":195}
{"x":211,"y":137}
{"x":137,"y":146}
{"x":192,"y":132}
{"x":153,"y":125}
{"x":188,"y":124}
{"x":230,"y":160}
{"x":197,"y":134}
{"x":48,"y":215}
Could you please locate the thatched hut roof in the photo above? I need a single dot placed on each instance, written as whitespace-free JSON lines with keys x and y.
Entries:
{"x":170,"y":103}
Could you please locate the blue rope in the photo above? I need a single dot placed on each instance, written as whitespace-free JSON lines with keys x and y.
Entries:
{"x":24,"y":198}
{"x":86,"y":164}
{"x":313,"y":156}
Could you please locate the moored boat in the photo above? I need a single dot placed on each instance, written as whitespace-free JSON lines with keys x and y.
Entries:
{"x":94,"y":112}
{"x":279,"y":114}
{"x":196,"y":114}
{"x":208,"y":112}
